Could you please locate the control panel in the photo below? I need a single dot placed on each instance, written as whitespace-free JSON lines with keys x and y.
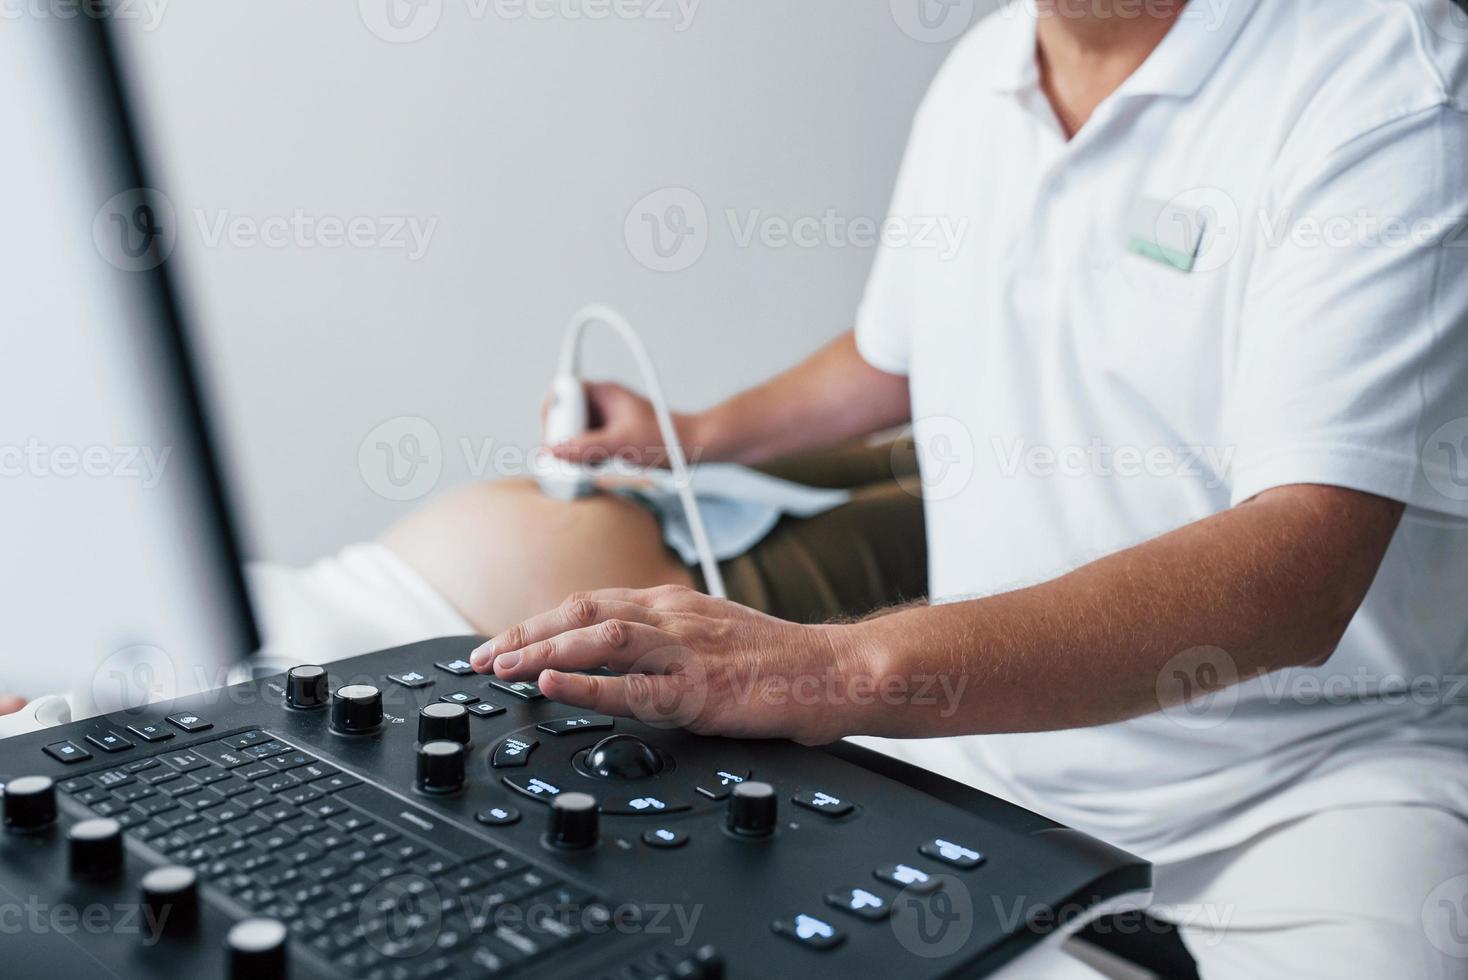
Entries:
{"x":396,"y":815}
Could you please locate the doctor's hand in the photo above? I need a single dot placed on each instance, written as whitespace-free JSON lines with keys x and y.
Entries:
{"x":10,"y":704}
{"x":623,"y":426}
{"x":688,"y":661}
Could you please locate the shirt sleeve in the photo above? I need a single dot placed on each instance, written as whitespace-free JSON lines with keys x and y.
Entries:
{"x":884,"y":320}
{"x":1352,"y":360}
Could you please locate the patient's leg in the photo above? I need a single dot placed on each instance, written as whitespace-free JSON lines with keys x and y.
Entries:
{"x":502,"y":552}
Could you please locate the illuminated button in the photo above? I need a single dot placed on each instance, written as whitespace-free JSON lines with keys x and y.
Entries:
{"x":67,"y":752}
{"x":906,"y":876}
{"x":643,"y":805}
{"x":825,"y":803}
{"x":189,"y":722}
{"x":410,"y":679}
{"x":860,"y":902}
{"x":459,"y":668}
{"x":665,"y":838}
{"x":149,"y":732}
{"x":809,"y":931}
{"x":460,"y":697}
{"x":486,"y":709}
{"x":950,"y":853}
{"x":514,"y":752}
{"x":534,"y":787}
{"x":498,"y":816}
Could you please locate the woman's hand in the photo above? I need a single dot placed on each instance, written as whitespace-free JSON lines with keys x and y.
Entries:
{"x":690,"y":661}
{"x":624,"y":426}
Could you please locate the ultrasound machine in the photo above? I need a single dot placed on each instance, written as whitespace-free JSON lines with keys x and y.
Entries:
{"x":394,"y":815}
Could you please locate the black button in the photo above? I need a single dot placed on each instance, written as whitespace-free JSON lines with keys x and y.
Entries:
{"x":67,"y":752}
{"x":906,"y":876}
{"x":189,"y":722}
{"x":410,"y":679}
{"x":109,"y":741}
{"x":140,"y":765}
{"x":524,"y":690}
{"x":860,"y":902}
{"x":580,"y":723}
{"x":498,"y":816}
{"x":722,"y":783}
{"x":246,"y":739}
{"x":831,"y":806}
{"x":534,"y":787}
{"x":184,"y":761}
{"x":809,"y":931}
{"x":952,"y":854}
{"x":459,"y":668}
{"x":665,"y":837}
{"x":460,"y":697}
{"x":150,"y":732}
{"x":514,"y":752}
{"x":486,"y":709}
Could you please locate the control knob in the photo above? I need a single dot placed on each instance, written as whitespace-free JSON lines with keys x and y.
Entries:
{"x":95,"y":848}
{"x":306,"y":687}
{"x":171,"y":898}
{"x":573,"y":821}
{"x":30,"y":804}
{"x":356,"y":709}
{"x":752,"y":810}
{"x":257,"y":950}
{"x":443,"y":722}
{"x":441,"y":767}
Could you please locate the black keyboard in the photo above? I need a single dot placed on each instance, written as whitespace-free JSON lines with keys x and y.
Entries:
{"x":405,"y":818}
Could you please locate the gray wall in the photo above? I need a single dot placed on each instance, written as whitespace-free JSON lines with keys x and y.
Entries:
{"x":520,"y":146}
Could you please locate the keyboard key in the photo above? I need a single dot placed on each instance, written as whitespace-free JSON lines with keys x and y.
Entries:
{"x":312,"y":771}
{"x":150,"y":732}
{"x":113,"y":778}
{"x":67,"y":752}
{"x":823,"y":803}
{"x":140,"y":765}
{"x":411,"y":679}
{"x":860,"y":903}
{"x":809,"y":931}
{"x":459,"y":668}
{"x":952,"y":854}
{"x":246,"y":739}
{"x":184,"y":761}
{"x":514,"y":752}
{"x":906,"y":876}
{"x":290,"y":760}
{"x":579,"y":723}
{"x":109,"y":741}
{"x":333,"y":783}
{"x":460,"y":697}
{"x":524,"y":690}
{"x":486,"y":709}
{"x":189,"y":722}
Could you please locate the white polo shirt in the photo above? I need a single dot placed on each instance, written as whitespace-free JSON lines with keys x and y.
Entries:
{"x":1248,"y":270}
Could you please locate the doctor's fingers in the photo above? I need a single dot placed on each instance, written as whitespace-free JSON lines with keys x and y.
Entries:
{"x":617,"y":644}
{"x":577,"y":612}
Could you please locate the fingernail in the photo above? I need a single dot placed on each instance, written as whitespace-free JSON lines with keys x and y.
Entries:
{"x":482,"y":656}
{"x":508,"y":661}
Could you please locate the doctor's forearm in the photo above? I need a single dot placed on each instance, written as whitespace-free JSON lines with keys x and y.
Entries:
{"x":1272,"y":583}
{"x":832,"y":397}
